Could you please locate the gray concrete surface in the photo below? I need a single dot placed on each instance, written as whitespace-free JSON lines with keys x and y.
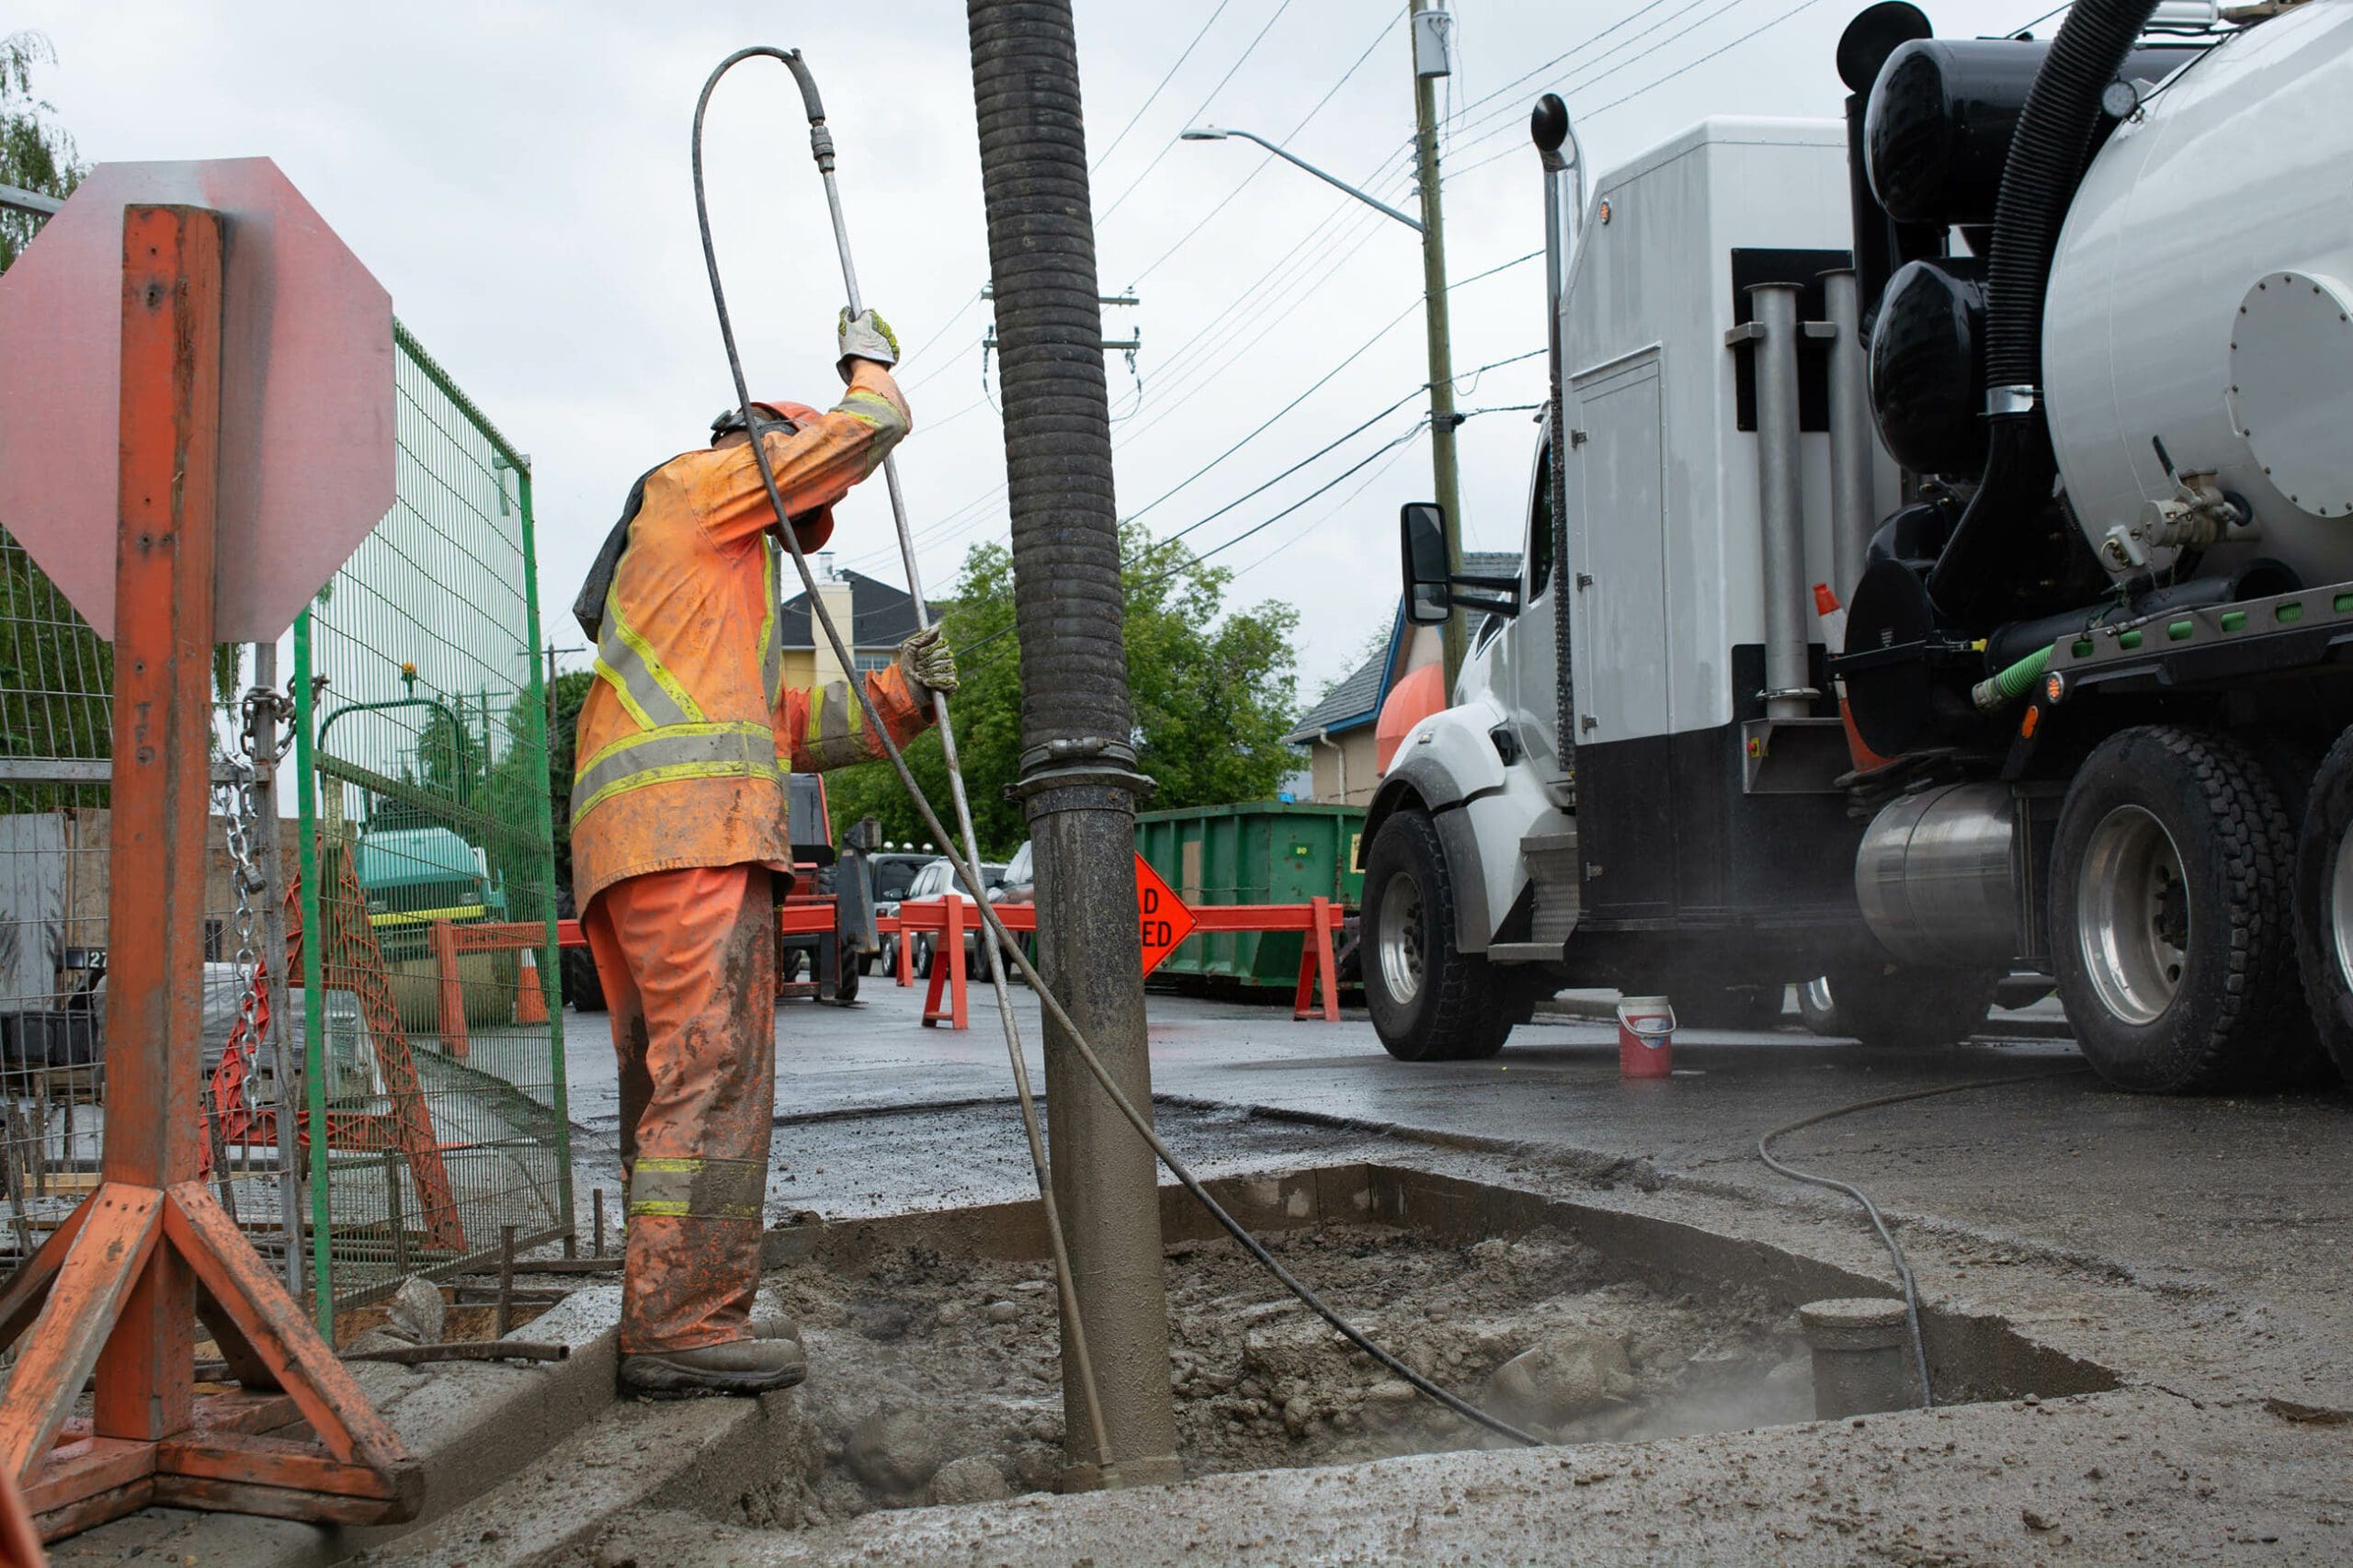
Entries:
{"x":2256,"y":1190}
{"x":2197,"y":1248}
{"x":2105,"y":1478}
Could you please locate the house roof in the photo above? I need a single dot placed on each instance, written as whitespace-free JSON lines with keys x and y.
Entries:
{"x":880,"y":615}
{"x":1357,"y":700}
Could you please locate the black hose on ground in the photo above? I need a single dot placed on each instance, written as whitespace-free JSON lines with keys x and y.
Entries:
{"x":1886,"y":1236}
{"x":2049,"y":151}
{"x":1011,"y":949}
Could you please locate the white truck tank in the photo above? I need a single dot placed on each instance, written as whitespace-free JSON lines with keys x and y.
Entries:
{"x":2202,"y":295}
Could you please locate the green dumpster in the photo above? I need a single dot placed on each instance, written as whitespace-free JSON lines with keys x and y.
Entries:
{"x":1262,"y":852}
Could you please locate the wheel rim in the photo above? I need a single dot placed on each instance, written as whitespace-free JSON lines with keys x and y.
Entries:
{"x":1817,"y":994}
{"x":1400,"y":939}
{"x":2340,"y":909}
{"x":2132,"y":915}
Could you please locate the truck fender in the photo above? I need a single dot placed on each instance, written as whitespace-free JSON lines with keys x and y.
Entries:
{"x":1443,"y":764}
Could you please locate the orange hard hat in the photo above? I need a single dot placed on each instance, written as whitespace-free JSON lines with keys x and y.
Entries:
{"x":813,"y":528}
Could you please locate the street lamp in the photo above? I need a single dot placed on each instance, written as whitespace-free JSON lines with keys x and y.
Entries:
{"x":1443,"y":418}
{"x":1220,"y":132}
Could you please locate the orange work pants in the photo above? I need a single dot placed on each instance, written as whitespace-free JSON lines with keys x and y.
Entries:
{"x":687,"y":959}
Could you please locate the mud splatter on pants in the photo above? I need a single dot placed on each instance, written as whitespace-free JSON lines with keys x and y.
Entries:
{"x":687,"y":959}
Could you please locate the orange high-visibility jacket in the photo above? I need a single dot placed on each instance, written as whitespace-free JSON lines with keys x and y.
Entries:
{"x":689,"y":731}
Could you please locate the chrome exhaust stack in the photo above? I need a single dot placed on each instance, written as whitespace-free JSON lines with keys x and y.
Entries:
{"x":1563,"y":158}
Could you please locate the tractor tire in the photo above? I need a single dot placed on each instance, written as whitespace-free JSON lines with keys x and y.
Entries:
{"x":2172,"y":930}
{"x":1429,"y":1001}
{"x":1893,"y":1007}
{"x":2325,"y":903}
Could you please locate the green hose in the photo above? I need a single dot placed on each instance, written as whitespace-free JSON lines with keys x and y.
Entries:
{"x":1998,"y":692}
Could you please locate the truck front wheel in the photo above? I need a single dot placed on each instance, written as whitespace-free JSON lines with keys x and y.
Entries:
{"x":2170,"y":924}
{"x":1430,"y":1002}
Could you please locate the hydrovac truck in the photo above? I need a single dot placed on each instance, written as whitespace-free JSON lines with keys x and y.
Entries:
{"x":2038,"y":369}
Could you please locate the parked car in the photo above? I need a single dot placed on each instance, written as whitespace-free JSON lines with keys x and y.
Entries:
{"x":889,"y":872}
{"x":936,"y":880}
{"x":1019,"y":885}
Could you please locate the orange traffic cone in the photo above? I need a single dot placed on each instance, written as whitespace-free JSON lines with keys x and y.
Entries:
{"x":1832,"y":615}
{"x":531,"y":1002}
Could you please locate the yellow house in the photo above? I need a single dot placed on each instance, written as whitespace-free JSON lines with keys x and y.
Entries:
{"x":874,"y":617}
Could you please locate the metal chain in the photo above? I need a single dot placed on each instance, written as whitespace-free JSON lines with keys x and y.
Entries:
{"x":240,"y":814}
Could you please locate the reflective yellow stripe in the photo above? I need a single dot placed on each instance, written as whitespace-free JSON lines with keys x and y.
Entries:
{"x":704,"y":1189}
{"x":673,"y":752}
{"x":835,"y":734}
{"x":425,"y":916}
{"x":771,"y":646}
{"x":627,"y":662}
{"x":880,"y":414}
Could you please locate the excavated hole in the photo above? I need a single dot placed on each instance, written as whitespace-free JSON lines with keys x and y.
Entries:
{"x":933,"y":1341}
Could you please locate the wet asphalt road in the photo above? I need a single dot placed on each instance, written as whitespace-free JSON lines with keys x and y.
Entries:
{"x":877,"y":1113}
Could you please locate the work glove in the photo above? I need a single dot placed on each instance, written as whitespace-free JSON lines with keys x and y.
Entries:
{"x":928,"y":663}
{"x":865,"y":336}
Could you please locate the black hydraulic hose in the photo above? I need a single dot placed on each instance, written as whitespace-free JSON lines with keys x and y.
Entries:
{"x":1011,"y":949}
{"x":2049,"y":150}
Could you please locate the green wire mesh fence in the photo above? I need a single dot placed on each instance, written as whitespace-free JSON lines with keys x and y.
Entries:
{"x":427,"y":907}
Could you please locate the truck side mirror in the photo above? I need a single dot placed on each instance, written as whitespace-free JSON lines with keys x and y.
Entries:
{"x":1427,"y":598}
{"x":1431,"y":592}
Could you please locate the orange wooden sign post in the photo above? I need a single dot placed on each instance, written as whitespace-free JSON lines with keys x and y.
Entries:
{"x":119,"y":1286}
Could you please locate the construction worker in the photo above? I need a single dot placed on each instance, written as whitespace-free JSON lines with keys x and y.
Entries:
{"x":679,"y":843}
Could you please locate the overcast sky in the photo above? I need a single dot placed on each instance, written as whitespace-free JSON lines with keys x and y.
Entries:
{"x":516,"y":174}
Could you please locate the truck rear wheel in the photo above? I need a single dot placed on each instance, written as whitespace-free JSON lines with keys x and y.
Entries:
{"x":2324,"y":903}
{"x":2170,"y":926}
{"x":1429,"y":1001}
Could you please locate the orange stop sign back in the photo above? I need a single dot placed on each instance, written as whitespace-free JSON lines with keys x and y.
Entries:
{"x":1165,"y":919}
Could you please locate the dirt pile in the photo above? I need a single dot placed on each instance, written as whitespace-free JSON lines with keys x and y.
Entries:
{"x":937,"y":1381}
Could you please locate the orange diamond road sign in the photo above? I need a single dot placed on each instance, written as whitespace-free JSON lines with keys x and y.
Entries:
{"x":1165,"y":919}
{"x":306,"y":392}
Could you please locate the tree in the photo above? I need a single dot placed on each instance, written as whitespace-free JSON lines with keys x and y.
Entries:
{"x":34,"y":155}
{"x":56,"y":674}
{"x":1212,"y":692}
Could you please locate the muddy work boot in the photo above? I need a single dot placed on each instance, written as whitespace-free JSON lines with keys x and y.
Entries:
{"x":737,"y":1366}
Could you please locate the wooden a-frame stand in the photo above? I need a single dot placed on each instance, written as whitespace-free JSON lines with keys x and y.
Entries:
{"x":117,"y":1288}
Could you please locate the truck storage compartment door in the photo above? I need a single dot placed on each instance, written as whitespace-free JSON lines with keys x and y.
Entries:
{"x":1618,"y":553}
{"x":1617,"y":613}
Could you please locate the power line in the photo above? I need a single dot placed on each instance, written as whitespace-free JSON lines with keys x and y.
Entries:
{"x":1505,"y":120}
{"x":1762,"y":27}
{"x":1337,"y":507}
{"x":1194,"y":563}
{"x":1265,"y":158}
{"x":1589,"y":114}
{"x":1105,"y":156}
{"x":1572,"y":49}
{"x":1104,"y":216}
